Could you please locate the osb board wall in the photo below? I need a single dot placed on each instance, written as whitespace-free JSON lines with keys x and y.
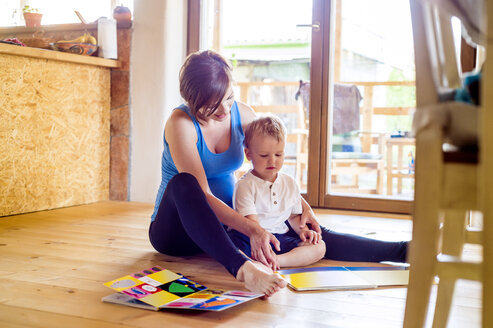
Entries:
{"x":120,"y":131}
{"x":54,"y":134}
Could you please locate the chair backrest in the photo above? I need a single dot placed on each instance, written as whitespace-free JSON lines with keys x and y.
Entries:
{"x":437,"y":74}
{"x":436,"y":60}
{"x":437,"y":66}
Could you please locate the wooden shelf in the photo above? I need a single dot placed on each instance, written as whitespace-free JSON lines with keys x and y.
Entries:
{"x":13,"y":30}
{"x":14,"y":50}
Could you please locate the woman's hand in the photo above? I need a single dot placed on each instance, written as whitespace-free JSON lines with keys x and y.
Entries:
{"x":261,"y":249}
{"x":308,"y":217}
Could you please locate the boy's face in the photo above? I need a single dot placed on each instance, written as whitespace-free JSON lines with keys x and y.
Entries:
{"x":267,"y":156}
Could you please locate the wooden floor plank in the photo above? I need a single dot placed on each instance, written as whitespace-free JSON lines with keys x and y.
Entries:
{"x":56,"y":261}
{"x":20,"y":317}
{"x":73,"y":302}
{"x":13,"y":325}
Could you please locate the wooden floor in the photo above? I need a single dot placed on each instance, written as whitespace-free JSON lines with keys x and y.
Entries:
{"x":53,"y":265}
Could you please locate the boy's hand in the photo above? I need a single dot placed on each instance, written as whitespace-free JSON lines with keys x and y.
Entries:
{"x":308,"y":217}
{"x":309,"y":237}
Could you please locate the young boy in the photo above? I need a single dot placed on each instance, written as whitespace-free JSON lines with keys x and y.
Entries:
{"x":273,"y":198}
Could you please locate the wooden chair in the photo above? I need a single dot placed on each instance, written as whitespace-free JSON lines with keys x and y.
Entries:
{"x":446,"y":185}
{"x":353,"y":163}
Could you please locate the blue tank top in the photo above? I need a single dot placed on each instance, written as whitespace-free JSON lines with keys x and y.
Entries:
{"x":219,"y":168}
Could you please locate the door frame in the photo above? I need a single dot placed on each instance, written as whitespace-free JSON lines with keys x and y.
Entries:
{"x":318,"y":101}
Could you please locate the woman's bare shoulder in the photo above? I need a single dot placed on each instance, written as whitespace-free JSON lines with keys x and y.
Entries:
{"x":178,"y":117}
{"x":179,"y":124}
{"x":246,"y":112}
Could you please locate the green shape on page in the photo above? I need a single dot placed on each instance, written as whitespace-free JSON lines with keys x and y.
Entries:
{"x":179,"y":288}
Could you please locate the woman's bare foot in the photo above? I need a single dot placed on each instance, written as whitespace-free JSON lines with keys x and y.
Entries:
{"x":260,"y":279}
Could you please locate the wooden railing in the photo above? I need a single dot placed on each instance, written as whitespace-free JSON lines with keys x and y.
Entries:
{"x":281,"y":108}
{"x":367,"y":109}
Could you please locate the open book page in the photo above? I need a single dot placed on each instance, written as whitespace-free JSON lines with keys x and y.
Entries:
{"x":212,"y":300}
{"x":157,"y":288}
{"x":335,"y":278}
{"x":383,"y":276}
{"x":124,"y":299}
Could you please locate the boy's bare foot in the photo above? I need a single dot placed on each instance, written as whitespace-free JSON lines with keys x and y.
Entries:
{"x":260,"y":279}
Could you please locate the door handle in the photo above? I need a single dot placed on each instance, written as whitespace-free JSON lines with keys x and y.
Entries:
{"x":315,"y":26}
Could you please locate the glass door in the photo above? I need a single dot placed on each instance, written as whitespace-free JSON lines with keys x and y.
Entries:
{"x":269,"y":46}
{"x":340,"y":74}
{"x":369,"y":157}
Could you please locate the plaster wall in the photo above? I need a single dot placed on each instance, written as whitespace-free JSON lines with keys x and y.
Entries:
{"x":158,"y":51}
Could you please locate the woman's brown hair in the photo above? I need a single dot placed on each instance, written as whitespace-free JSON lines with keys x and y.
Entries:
{"x":204,"y":79}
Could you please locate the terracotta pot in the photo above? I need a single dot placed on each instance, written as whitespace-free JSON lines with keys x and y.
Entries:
{"x":122,"y":14}
{"x":32,"y":19}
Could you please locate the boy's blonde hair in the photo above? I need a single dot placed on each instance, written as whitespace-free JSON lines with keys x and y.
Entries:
{"x":265,"y":125}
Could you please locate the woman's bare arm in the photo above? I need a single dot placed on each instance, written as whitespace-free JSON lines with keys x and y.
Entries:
{"x":181,"y":137}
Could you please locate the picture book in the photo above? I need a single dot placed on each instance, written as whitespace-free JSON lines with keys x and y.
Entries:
{"x":157,"y":288}
{"x":336,"y":278}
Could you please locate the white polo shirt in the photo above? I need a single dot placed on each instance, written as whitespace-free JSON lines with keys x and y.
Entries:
{"x":272,"y":202}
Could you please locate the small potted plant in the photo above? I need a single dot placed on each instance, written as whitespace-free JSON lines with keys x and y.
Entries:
{"x":31,"y":16}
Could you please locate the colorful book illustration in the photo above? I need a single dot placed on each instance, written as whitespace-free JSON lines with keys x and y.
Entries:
{"x":334,"y":278}
{"x":157,"y":288}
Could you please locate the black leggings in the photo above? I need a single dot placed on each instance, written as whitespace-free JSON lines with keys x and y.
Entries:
{"x":347,"y":247}
{"x":339,"y":246}
{"x":186,"y":225}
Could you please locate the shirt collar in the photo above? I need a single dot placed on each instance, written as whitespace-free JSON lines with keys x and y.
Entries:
{"x":266,"y":183}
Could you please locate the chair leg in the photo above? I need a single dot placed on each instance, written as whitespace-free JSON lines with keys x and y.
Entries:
{"x":299,"y":173}
{"x":445,"y":294}
{"x":488,"y":269}
{"x":355,"y":180}
{"x":454,"y":228}
{"x":399,"y":168}
{"x":389,"y":170}
{"x":389,"y":184}
{"x":454,"y":231}
{"x":424,"y":245}
{"x":422,"y":259}
{"x":303,"y":185}
{"x":380,"y":169}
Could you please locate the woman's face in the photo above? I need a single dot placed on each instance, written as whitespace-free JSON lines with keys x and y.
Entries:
{"x":223,"y":111}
